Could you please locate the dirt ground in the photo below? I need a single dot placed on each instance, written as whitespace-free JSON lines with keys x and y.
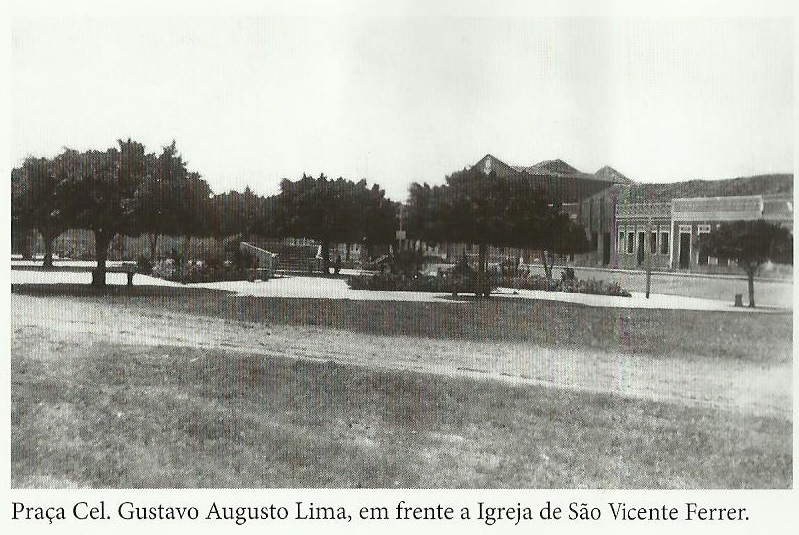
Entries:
{"x":761,"y":389}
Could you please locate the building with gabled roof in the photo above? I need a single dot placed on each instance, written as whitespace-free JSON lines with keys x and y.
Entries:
{"x":627,"y":221}
{"x":557,"y":179}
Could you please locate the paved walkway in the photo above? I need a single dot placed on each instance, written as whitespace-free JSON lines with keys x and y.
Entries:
{"x":336,"y":288}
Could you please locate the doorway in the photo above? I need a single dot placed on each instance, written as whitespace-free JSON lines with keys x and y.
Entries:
{"x":606,"y":248}
{"x":685,"y":250}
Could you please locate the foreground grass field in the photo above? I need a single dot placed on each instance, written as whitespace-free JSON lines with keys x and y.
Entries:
{"x":89,"y":412}
{"x":122,"y":416}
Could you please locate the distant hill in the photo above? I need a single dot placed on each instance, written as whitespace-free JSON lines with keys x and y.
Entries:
{"x":749,"y":185}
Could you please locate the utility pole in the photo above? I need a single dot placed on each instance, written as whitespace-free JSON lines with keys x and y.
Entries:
{"x":648,"y":245}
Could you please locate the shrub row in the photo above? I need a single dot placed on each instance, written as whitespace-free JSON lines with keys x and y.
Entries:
{"x":431,"y":283}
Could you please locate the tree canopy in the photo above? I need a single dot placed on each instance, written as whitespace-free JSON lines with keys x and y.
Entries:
{"x":100,"y":190}
{"x":171,"y":200}
{"x":751,"y":244}
{"x":472,"y":207}
{"x":335,"y":211}
{"x":126,"y":191}
{"x":36,"y":202}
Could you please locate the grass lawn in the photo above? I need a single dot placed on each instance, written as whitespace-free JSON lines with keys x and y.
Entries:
{"x":100,"y":414}
{"x":104,"y":415}
{"x":728,"y":335}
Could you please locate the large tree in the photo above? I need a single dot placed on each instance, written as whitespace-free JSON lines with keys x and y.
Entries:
{"x":334,"y":211}
{"x":172,"y":201}
{"x":474,"y":212}
{"x":424,"y":215}
{"x":37,"y":202}
{"x":378,"y":214}
{"x":751,"y":244}
{"x":101,"y":193}
{"x":486,"y":209}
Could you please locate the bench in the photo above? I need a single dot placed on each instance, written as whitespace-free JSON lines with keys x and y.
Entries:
{"x":128,"y":268}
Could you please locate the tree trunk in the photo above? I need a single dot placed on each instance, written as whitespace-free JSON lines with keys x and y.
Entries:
{"x":481,"y":275}
{"x":185,"y":256}
{"x":26,"y":245}
{"x":751,"y":280}
{"x":101,"y":242}
{"x":48,"y":236}
{"x":547,"y":267}
{"x":153,"y":250}
{"x":326,"y":257}
{"x":121,"y":247}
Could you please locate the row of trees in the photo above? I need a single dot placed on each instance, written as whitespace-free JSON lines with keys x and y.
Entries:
{"x":127,"y":191}
{"x":121,"y":190}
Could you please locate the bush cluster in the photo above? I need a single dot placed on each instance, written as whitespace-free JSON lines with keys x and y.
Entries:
{"x":419,"y":283}
{"x":200,"y":271}
{"x":569,"y":284}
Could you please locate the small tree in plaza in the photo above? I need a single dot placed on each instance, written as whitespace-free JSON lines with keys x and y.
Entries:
{"x":557,"y":234}
{"x":751,"y":244}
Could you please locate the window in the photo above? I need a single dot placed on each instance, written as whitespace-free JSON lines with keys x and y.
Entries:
{"x":664,"y":242}
{"x":653,"y":243}
{"x":620,"y":245}
{"x":630,"y":242}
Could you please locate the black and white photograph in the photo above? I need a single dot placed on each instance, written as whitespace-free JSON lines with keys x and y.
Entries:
{"x":342,"y":250}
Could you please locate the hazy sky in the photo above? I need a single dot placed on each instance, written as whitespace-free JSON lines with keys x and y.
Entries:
{"x":253,"y":100}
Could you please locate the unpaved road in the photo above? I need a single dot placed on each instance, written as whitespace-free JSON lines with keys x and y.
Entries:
{"x":690,"y":380}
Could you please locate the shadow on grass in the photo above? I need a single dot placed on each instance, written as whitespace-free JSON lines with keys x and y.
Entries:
{"x":88,"y":290}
